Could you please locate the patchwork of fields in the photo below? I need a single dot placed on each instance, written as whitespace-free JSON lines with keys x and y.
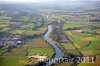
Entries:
{"x":18,"y":56}
{"x":74,"y":29}
{"x":84,"y":38}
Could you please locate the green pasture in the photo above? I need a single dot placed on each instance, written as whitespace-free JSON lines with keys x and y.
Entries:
{"x":94,"y":44}
{"x":13,"y":60}
{"x":48,"y":51}
{"x":28,"y":26}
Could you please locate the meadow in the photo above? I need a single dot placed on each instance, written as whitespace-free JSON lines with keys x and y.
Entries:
{"x":39,"y":46}
{"x":84,"y":38}
{"x":28,"y":30}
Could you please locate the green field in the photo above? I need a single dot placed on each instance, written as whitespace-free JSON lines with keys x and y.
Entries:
{"x":88,"y":43}
{"x":3,"y":24}
{"x":93,"y":46}
{"x":18,"y":56}
{"x":28,"y":26}
{"x":28,"y":30}
{"x":18,"y":31}
{"x":41,"y":51}
{"x":38,"y":46}
{"x":13,"y":60}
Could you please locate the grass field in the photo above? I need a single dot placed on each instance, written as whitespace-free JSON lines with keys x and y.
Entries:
{"x":20,"y":51}
{"x":35,"y":46}
{"x":87,"y":64}
{"x":93,"y":46}
{"x":39,"y":46}
{"x":5,"y":18}
{"x":68,"y":46}
{"x":23,"y":18}
{"x":3,"y":25}
{"x":88,"y":43}
{"x":28,"y":30}
{"x":13,"y":60}
{"x":70,"y":49}
{"x":38,"y":31}
{"x":28,"y":26}
{"x":18,"y":31}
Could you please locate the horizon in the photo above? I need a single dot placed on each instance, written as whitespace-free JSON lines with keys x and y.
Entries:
{"x":41,"y":1}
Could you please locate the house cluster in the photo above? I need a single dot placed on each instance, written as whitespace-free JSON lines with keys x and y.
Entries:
{"x":11,"y":40}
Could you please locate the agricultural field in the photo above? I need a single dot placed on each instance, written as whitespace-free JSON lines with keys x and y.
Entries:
{"x":28,"y":26}
{"x":55,"y":29}
{"x":85,"y":38}
{"x":70,"y":49}
{"x":39,"y":46}
{"x":2,"y":25}
{"x":19,"y":55}
{"x":29,"y":31}
{"x":13,"y":60}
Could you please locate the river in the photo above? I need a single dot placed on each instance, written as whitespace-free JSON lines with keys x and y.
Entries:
{"x":58,"y":51}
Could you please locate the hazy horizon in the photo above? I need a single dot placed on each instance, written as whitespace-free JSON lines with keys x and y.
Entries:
{"x":42,"y":1}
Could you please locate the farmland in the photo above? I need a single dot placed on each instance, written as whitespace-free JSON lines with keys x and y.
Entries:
{"x":14,"y":60}
{"x":35,"y":46}
{"x":22,"y":47}
{"x":85,"y":39}
{"x":32,"y":32}
{"x":38,"y":46}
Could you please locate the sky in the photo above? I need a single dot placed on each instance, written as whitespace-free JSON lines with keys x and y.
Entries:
{"x":40,"y":1}
{"x":22,"y":1}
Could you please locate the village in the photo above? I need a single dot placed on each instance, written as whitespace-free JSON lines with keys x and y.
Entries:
{"x":12,"y":40}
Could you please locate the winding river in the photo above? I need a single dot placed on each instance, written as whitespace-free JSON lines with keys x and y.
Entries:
{"x":58,"y":52}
